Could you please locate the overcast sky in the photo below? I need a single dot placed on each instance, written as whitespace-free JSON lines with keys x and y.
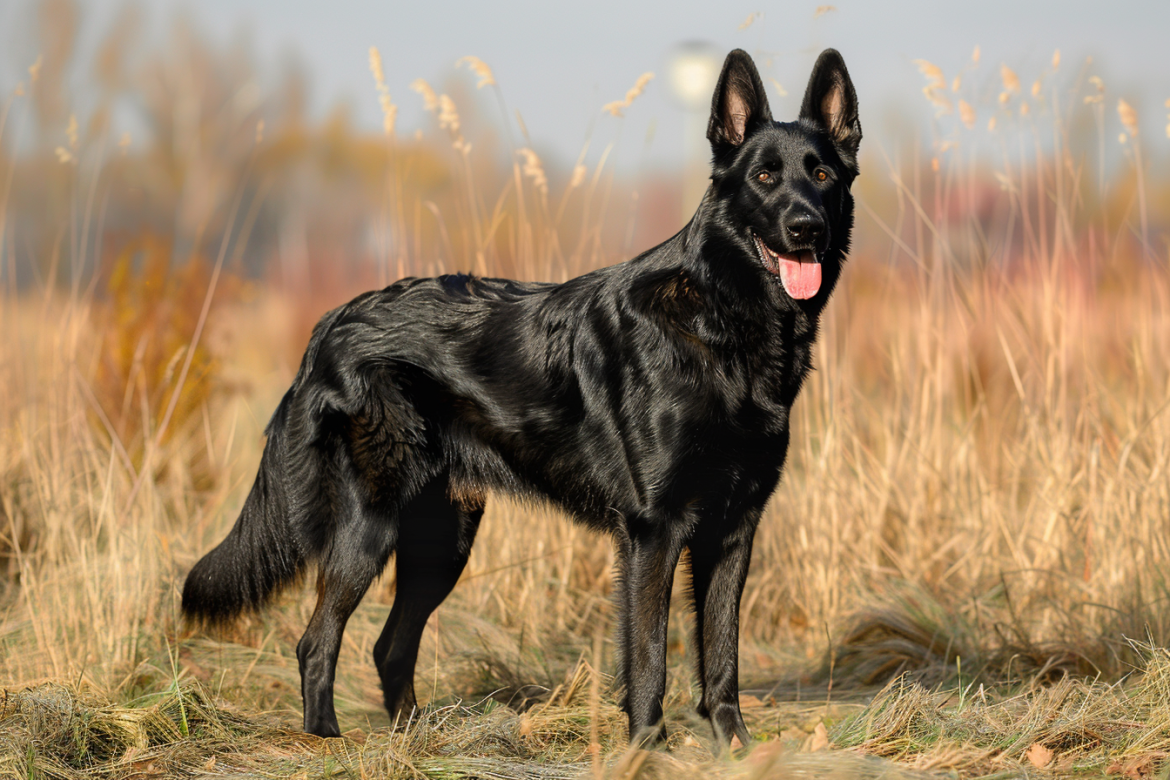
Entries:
{"x":558,"y":63}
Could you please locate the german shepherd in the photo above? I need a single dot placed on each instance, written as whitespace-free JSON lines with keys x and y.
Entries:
{"x":649,"y":400}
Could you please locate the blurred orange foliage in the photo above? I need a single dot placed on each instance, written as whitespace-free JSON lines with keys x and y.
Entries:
{"x":147,"y":323}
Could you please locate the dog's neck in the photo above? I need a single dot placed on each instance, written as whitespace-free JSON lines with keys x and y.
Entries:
{"x":752,"y":306}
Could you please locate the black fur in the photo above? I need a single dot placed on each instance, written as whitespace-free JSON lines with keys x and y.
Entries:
{"x":648,"y":400}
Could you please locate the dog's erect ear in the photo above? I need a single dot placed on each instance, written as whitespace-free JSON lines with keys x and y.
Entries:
{"x":739,"y":103}
{"x":831,"y":102}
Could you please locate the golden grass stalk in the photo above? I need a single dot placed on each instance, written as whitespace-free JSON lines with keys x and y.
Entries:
{"x":430,"y":99}
{"x":967,"y":114}
{"x":1011,"y":82}
{"x":448,"y":115}
{"x":616,"y":107}
{"x":936,"y":86}
{"x":1128,"y":117}
{"x":933,"y":73}
{"x":534,"y":170}
{"x":376,"y":67}
{"x":389,"y":110}
{"x":480,"y":68}
{"x":751,"y":19}
{"x":579,"y":172}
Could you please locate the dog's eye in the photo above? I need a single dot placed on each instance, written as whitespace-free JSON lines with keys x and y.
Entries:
{"x":821,"y":174}
{"x":763,"y":176}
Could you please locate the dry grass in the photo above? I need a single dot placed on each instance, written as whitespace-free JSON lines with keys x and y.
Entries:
{"x":969,"y":539}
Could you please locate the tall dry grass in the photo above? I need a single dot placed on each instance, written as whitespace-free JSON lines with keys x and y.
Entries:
{"x":977,"y":481}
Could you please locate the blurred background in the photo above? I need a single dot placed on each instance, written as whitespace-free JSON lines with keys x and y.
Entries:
{"x":165,"y":99}
{"x":979,"y":464}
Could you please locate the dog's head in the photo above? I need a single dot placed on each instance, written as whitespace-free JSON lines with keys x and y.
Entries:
{"x":781,"y":189}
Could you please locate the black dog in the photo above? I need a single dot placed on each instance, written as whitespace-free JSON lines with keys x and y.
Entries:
{"x":649,"y":400}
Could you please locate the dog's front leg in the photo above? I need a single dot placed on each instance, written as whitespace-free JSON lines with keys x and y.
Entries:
{"x":719,"y":568}
{"x":648,"y":556}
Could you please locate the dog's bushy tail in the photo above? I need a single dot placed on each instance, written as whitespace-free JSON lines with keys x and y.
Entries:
{"x":263,"y":552}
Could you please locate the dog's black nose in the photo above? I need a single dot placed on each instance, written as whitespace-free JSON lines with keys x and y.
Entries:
{"x":805,"y":228}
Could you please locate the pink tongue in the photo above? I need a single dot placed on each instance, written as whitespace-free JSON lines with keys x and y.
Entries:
{"x":801,"y":280}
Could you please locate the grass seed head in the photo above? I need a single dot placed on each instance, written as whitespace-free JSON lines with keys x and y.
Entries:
{"x":448,"y":115}
{"x":966,"y":114}
{"x":933,"y":74}
{"x":1011,"y":82}
{"x":376,"y":67}
{"x":389,"y":110}
{"x":1128,"y":116}
{"x":389,"y":113}
{"x":935,"y":87}
{"x":430,"y":99}
{"x":616,"y":107}
{"x":534,"y":170}
{"x":480,"y":68}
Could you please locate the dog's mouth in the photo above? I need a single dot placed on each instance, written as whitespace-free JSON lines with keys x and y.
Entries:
{"x":799,"y":272}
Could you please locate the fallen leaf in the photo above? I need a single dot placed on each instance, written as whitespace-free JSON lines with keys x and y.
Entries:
{"x":1039,"y":756}
{"x":818,"y":741}
{"x":793,"y":735}
{"x":1139,"y":768}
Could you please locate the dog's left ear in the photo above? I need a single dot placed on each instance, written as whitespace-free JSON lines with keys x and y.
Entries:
{"x":739,"y":103}
{"x":831,"y":102}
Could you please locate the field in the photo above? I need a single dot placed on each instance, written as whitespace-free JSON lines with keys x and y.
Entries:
{"x":964,"y":569}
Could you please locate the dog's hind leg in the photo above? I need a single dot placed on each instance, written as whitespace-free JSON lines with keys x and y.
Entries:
{"x":719,"y":568}
{"x":357,"y":554}
{"x":435,"y":538}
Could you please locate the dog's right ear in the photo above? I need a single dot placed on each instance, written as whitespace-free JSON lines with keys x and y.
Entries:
{"x":739,"y":103}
